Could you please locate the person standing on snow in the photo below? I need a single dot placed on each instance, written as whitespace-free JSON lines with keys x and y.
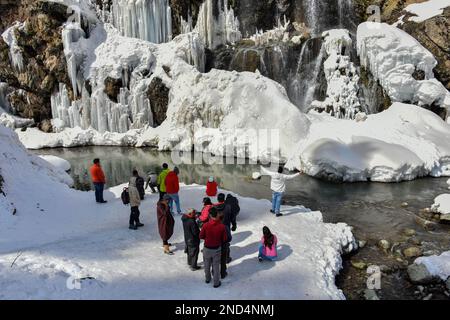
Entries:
{"x":165,"y":223}
{"x":172,"y":189}
{"x":162,"y":181}
{"x":278,"y":186}
{"x":211,"y":187}
{"x":191,"y":238}
{"x":214,"y":234}
{"x":99,"y":180}
{"x":135,"y":201}
{"x":152,"y":181}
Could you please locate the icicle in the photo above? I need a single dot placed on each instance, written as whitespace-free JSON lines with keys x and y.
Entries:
{"x":15,"y":53}
{"x":215,"y":32}
{"x":149,"y":20}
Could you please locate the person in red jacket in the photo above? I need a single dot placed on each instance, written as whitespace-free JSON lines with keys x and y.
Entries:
{"x":172,"y":189}
{"x":214,"y":234}
{"x":211,"y":187}
{"x":98,"y":178}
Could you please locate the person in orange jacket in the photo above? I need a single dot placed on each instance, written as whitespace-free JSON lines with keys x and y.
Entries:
{"x":99,"y":180}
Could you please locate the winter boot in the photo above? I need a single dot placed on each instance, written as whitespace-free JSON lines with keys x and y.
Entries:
{"x":167,"y":250}
{"x":139,"y":225}
{"x":133,"y":227}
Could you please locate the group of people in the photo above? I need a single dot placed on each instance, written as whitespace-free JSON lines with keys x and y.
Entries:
{"x":213,"y":224}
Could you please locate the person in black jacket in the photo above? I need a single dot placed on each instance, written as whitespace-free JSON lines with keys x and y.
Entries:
{"x":191,"y":238}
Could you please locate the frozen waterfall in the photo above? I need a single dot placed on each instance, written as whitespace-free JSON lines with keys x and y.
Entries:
{"x":216,"y":31}
{"x":149,"y":20}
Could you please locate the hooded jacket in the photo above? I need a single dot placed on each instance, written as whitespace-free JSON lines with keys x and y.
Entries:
{"x":165,"y":221}
{"x":172,"y":183}
{"x":135,"y":199}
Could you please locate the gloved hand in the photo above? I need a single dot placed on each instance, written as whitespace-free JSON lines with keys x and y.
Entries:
{"x":233,"y":228}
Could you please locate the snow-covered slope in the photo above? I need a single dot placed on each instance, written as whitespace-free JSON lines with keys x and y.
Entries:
{"x":58,"y":233}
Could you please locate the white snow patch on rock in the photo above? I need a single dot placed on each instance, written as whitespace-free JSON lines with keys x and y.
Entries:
{"x":438,"y":266}
{"x":441,"y":204}
{"x":427,"y":10}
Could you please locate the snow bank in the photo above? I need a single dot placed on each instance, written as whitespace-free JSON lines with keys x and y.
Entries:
{"x":438,"y":266}
{"x":401,"y":143}
{"x":393,"y":56}
{"x":57,"y":162}
{"x":23,"y":174}
{"x":62,"y":233}
{"x":427,"y":10}
{"x":441,"y":204}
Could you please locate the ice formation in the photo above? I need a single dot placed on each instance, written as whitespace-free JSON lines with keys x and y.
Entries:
{"x":279,"y":33}
{"x":341,"y":74}
{"x":393,"y":57}
{"x":149,"y":20}
{"x":216,"y":31}
{"x":15,"y":53}
{"x":438,"y":266}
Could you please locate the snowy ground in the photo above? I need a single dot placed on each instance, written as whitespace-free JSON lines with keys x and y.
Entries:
{"x":427,"y":10}
{"x":58,"y":233}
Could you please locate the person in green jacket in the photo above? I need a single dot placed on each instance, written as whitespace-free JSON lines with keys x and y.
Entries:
{"x":162,"y":181}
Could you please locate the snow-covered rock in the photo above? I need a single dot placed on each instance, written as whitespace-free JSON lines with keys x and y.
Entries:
{"x":438,"y":266}
{"x":393,"y":56}
{"x":64,"y":236}
{"x":401,"y":143}
{"x":442,"y":204}
{"x":58,"y":162}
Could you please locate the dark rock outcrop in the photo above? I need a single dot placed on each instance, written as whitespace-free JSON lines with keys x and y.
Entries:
{"x":42,"y":51}
{"x":112,"y":88}
{"x":158,"y":95}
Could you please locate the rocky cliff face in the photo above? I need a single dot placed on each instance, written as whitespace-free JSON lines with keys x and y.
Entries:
{"x":39,"y":40}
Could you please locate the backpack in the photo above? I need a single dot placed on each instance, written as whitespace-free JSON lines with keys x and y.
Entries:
{"x":125,"y":196}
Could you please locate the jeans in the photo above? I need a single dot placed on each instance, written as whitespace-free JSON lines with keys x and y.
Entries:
{"x":99,"y":191}
{"x":176,"y":198}
{"x":276,"y":201}
{"x":263,"y":256}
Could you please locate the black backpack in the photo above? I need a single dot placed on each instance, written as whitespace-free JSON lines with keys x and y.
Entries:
{"x":125,"y":196}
